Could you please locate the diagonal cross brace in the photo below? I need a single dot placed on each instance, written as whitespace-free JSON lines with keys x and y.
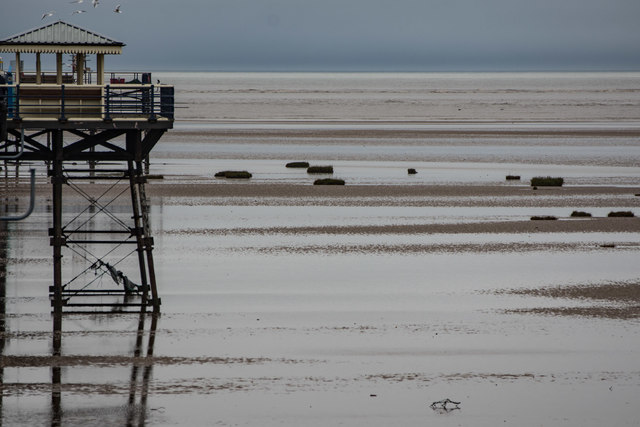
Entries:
{"x":150,"y":140}
{"x":31,"y":144}
{"x":90,"y":141}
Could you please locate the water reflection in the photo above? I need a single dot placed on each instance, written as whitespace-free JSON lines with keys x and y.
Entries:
{"x":135,"y":413}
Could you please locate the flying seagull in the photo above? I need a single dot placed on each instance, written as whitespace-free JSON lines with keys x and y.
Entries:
{"x":95,"y":3}
{"x":76,"y":1}
{"x":78,"y":11}
{"x":45,"y":15}
{"x":117,"y":9}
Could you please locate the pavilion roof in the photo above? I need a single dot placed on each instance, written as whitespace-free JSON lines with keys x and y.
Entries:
{"x":60,"y":37}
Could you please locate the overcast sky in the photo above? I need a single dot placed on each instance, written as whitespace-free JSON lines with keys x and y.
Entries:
{"x":348,"y":35}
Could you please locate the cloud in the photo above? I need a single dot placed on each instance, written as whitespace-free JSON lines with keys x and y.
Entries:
{"x":332,"y":34}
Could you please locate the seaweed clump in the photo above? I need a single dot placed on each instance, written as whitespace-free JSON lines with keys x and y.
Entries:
{"x":580,"y":214}
{"x":300,"y":165}
{"x":233,"y":174}
{"x":320,"y":169}
{"x":548,"y":181}
{"x":543,"y":218}
{"x":621,"y":214}
{"x":328,"y":181}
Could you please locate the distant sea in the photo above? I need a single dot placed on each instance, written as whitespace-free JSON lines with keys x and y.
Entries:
{"x":406,"y":97}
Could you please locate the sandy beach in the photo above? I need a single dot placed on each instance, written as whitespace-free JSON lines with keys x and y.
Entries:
{"x":286,"y":303}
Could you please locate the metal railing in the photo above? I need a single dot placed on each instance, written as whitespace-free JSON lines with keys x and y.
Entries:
{"x":106,"y":102}
{"x":89,"y":77}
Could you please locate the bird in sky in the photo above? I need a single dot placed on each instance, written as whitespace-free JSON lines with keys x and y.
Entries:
{"x":47,"y":14}
{"x":95,"y":3}
{"x":78,"y":11}
{"x":76,"y":1}
{"x":117,"y":9}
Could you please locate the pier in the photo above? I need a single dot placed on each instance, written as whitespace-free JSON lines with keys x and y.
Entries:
{"x":87,"y":126}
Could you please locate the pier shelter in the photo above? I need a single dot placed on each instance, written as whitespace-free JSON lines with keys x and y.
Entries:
{"x":86,"y":126}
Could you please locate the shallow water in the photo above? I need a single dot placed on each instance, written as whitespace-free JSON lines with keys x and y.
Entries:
{"x":358,"y":329}
{"x":264,"y":323}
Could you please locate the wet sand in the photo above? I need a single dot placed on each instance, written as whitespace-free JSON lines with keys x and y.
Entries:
{"x":457,"y":195}
{"x":291,"y":304}
{"x":614,"y":300}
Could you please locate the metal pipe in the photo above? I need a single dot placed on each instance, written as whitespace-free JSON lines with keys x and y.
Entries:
{"x":18,"y":153}
{"x":32,"y":201}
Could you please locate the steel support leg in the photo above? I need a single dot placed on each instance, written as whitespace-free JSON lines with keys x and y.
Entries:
{"x":141,"y":213}
{"x":56,"y":238}
{"x":135,"y":205}
{"x":57,"y":241}
{"x":148,"y":247}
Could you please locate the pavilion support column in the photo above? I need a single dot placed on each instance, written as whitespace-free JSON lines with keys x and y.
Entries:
{"x":17,"y":71}
{"x":38,"y":69}
{"x":100,"y":66}
{"x":58,"y":68}
{"x":80,"y":68}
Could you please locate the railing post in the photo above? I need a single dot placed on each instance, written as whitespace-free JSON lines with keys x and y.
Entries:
{"x":107,"y":114}
{"x":152,"y":101}
{"x":17,"y":111}
{"x":62,"y":102}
